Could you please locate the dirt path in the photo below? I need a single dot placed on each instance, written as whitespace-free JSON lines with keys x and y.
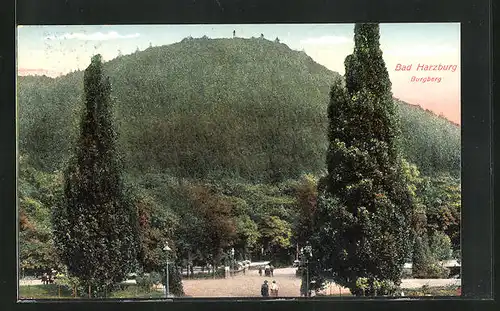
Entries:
{"x":248,"y":285}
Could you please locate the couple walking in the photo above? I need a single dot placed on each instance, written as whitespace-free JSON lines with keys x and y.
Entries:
{"x":264,"y":290}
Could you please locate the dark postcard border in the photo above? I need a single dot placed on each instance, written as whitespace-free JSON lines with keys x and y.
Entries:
{"x":476,"y":120}
{"x":8,"y":234}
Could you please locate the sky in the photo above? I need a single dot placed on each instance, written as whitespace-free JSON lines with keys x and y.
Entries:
{"x":58,"y":50}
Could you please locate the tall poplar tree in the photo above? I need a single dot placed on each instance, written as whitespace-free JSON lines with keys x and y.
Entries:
{"x":95,"y":225}
{"x":363,"y":222}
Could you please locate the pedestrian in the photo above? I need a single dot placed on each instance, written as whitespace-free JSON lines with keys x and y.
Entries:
{"x":45,"y":278}
{"x":271,"y":268}
{"x":264,"y":289}
{"x":50,"y":279}
{"x":274,"y":289}
{"x":267,"y":271}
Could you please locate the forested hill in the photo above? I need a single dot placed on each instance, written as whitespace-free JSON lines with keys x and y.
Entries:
{"x":207,"y":108}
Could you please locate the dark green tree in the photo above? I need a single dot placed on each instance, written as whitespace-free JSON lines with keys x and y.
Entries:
{"x":363,"y":222}
{"x":95,"y":224}
{"x":307,"y":195}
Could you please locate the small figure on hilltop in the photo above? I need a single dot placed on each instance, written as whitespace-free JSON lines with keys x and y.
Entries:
{"x":274,"y":289}
{"x":234,"y":34}
{"x":264,"y":289}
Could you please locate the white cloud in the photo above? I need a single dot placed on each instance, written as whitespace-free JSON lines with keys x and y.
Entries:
{"x":96,"y":36}
{"x":326,"y":40}
{"x":422,"y":50}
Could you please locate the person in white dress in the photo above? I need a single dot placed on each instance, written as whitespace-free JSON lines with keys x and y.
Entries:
{"x":274,"y":289}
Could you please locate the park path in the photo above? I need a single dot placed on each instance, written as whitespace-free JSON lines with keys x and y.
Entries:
{"x":248,"y":285}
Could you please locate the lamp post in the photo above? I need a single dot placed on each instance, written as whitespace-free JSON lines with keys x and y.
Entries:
{"x":232,"y":261}
{"x":167,"y":285}
{"x":307,"y":253}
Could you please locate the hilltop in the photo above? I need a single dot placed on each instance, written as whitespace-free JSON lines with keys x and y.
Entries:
{"x":207,"y":108}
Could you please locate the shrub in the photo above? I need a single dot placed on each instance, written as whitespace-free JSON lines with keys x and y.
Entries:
{"x":387,"y":288}
{"x":440,"y":246}
{"x":144,"y":281}
{"x":432,"y":271}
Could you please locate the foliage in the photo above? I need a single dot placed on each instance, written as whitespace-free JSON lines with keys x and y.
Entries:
{"x":55,"y":291}
{"x":156,"y":227}
{"x":387,"y":288}
{"x":432,"y":142}
{"x":174,"y":280}
{"x":421,"y":257}
{"x":229,"y":150}
{"x":276,"y":232}
{"x":248,"y":232}
{"x":307,"y":195}
{"x":441,"y":195}
{"x":136,"y":292}
{"x":218,"y":228}
{"x":147,"y":280}
{"x":366,"y":207}
{"x":440,"y":246}
{"x":425,"y":263}
{"x":95,"y":225}
{"x":70,"y":282}
{"x":451,"y":290}
{"x":37,"y":193}
{"x":256,"y":110}
{"x":49,"y":291}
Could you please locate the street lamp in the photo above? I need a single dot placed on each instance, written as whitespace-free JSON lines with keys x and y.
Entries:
{"x":167,"y":286}
{"x":232,"y":261}
{"x":307,"y":253}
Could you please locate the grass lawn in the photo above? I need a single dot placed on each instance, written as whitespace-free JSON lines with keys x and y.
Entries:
{"x":443,"y":291}
{"x":433,"y":291}
{"x":54,"y":291}
{"x":49,"y":291}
